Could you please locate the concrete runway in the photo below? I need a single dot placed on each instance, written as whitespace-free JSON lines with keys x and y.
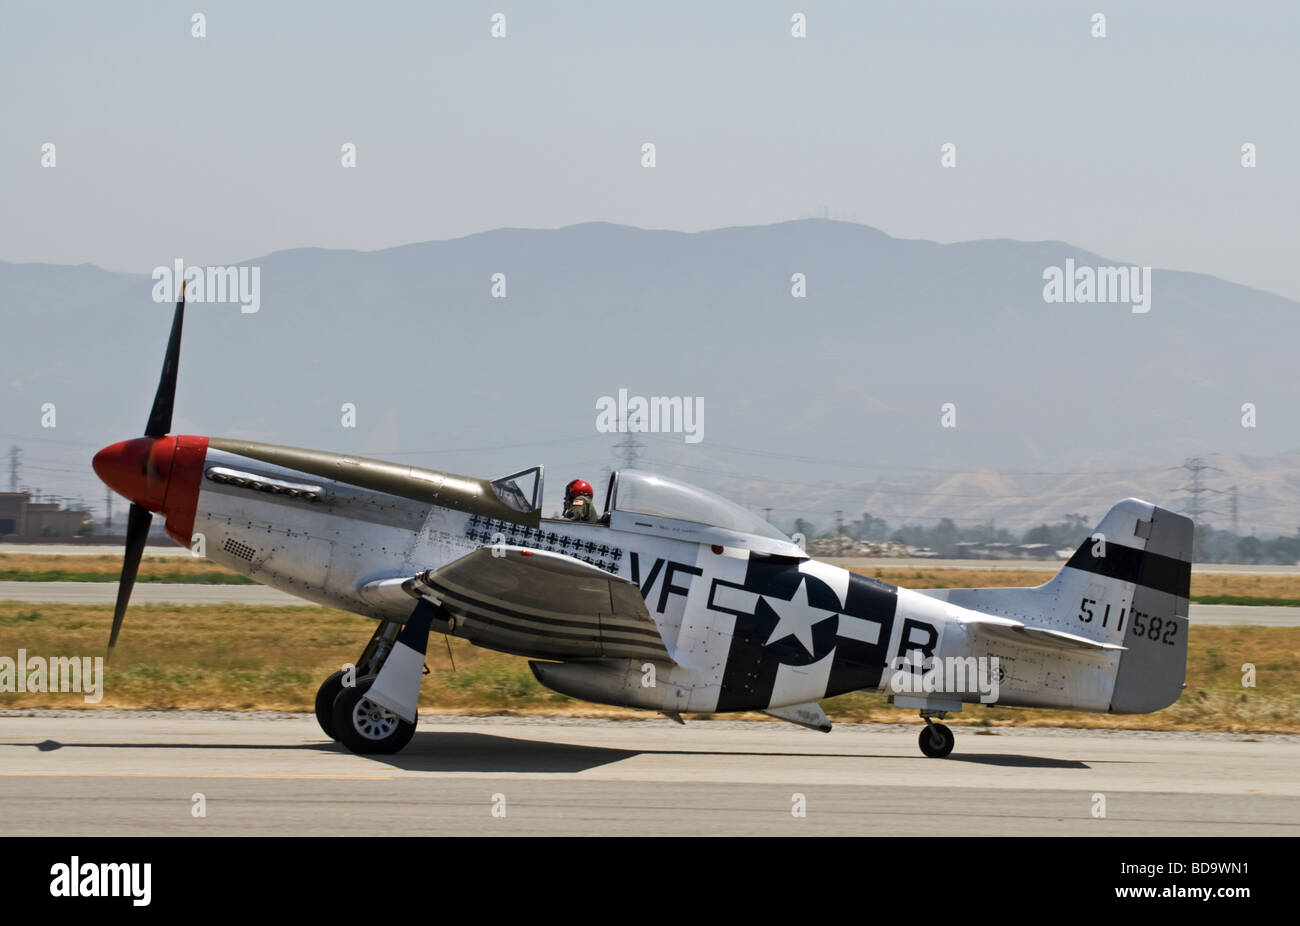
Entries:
{"x":96,"y":549}
{"x":135,"y":773}
{"x":1227,"y":615}
{"x":147,"y":593}
{"x":179,"y":593}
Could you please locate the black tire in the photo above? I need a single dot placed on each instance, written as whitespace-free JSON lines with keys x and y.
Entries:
{"x":325,"y":695}
{"x":365,"y":727}
{"x":936,"y":740}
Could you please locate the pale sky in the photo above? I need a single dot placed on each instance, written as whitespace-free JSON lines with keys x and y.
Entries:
{"x":225,"y":148}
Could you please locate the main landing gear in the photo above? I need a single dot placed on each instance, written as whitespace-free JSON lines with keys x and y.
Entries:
{"x":366,"y":727}
{"x":345,"y":713}
{"x":936,"y":740}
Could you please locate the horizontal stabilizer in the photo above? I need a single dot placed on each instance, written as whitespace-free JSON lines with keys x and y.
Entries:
{"x":1020,"y":632}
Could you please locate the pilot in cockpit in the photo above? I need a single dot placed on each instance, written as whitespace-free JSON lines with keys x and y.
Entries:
{"x":578,"y":501}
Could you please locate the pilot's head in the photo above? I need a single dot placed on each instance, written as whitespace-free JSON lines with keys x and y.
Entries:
{"x":574,"y":489}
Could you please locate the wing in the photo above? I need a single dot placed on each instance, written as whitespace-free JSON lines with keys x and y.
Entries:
{"x":535,"y":603}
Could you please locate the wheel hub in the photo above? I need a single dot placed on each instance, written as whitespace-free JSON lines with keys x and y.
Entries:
{"x":373,"y":721}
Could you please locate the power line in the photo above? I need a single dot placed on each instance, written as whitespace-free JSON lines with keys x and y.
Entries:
{"x":858,"y":464}
{"x":535,"y":443}
{"x":48,"y":440}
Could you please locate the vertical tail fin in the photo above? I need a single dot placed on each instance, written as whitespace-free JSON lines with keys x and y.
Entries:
{"x":1127,"y":585}
{"x":1132,"y":580}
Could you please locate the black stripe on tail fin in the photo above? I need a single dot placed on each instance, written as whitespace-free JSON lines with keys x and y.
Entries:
{"x":1145,"y":567}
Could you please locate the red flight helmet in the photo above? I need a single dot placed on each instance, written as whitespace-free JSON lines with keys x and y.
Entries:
{"x":577,"y":487}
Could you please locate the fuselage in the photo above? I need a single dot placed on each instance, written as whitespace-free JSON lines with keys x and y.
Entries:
{"x":747,"y":626}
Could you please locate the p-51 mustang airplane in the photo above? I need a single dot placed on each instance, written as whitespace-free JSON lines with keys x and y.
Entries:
{"x":677,"y":600}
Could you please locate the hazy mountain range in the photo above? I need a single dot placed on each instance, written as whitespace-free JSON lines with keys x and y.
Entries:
{"x":831,"y":401}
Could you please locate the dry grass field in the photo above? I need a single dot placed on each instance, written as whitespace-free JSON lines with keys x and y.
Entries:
{"x":37,"y":567}
{"x":259,"y":658}
{"x":1221,"y":588}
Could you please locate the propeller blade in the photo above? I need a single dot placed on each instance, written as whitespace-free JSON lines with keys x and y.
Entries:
{"x":160,"y":417}
{"x":137,"y":532}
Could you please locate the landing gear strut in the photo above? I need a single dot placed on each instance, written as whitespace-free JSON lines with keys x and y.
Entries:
{"x":372,"y":708}
{"x":936,"y":740}
{"x":365,"y":726}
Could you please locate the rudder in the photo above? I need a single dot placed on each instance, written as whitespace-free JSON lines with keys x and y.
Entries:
{"x":1152,"y":669}
{"x":1134,"y":575}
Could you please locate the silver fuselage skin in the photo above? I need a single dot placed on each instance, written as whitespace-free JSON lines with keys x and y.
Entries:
{"x":748,"y":624}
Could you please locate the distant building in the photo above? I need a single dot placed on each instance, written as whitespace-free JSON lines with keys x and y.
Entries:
{"x":841,"y":545}
{"x":23,"y":519}
{"x":975,"y":549}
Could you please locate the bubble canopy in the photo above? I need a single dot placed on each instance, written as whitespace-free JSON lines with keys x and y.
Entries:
{"x":633,"y":492}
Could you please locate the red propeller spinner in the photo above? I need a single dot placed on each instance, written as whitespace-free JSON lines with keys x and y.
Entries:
{"x":156,"y":473}
{"x":160,"y":474}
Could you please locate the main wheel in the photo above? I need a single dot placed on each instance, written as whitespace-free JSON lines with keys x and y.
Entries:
{"x":366,"y":727}
{"x":325,"y":695}
{"x":936,"y":740}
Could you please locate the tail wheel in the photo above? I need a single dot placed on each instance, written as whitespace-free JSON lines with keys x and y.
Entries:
{"x":325,"y":695}
{"x":936,"y":740}
{"x":365,"y":727}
